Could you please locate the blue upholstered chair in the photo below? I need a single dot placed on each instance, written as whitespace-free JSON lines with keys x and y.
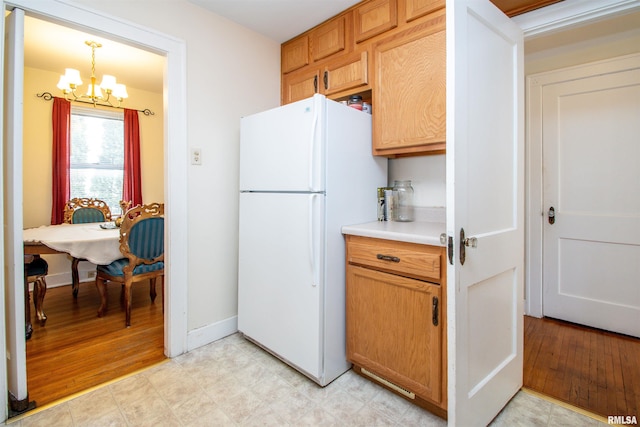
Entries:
{"x":35,"y":271}
{"x":142,"y":247}
{"x":81,"y":210}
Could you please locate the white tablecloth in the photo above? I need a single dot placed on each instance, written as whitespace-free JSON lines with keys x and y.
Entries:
{"x":87,"y":241}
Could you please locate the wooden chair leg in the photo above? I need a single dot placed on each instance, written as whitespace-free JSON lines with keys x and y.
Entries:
{"x":102,"y":290}
{"x":39,"y":292}
{"x":75,"y":277}
{"x":152,"y":289}
{"x":127,"y":302}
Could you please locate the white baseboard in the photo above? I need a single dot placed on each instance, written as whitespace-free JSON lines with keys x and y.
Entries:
{"x":210,"y":333}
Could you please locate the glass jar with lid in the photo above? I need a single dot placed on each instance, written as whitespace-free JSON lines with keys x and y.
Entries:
{"x":404,"y":200}
{"x":355,"y":101}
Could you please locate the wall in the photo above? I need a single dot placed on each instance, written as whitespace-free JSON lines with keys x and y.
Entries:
{"x":231,"y":72}
{"x":37,"y":159}
{"x":427,"y":175}
{"x":604,"y":39}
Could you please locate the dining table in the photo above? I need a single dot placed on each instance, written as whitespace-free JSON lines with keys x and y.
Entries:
{"x":96,"y":242}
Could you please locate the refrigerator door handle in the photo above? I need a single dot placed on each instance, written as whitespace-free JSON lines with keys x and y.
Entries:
{"x":313,"y":240}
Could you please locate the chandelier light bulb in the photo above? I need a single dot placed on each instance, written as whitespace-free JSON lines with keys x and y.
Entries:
{"x":63,"y":84}
{"x":120,"y":91}
{"x":73,"y":77}
{"x":108,"y":82}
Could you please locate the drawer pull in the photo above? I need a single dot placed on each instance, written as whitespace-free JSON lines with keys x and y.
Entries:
{"x":388,"y":258}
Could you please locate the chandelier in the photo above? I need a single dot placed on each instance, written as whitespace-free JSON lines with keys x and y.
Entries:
{"x":114,"y":92}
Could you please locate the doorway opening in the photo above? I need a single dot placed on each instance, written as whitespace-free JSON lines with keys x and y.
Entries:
{"x":75,"y":350}
{"x":174,"y":160}
{"x":569,"y":50}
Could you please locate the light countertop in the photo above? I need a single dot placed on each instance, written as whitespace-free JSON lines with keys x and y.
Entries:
{"x":423,"y":232}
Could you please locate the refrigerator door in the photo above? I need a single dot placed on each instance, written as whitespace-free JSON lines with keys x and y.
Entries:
{"x":282,"y":150}
{"x":280,"y":276}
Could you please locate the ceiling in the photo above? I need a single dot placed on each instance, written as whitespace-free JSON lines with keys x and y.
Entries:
{"x":279,"y":20}
{"x":53,"y":47}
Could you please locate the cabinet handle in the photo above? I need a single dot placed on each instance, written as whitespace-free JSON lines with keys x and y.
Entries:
{"x":388,"y":258}
{"x":326,"y":80}
{"x":315,"y":83}
{"x":434,"y":310}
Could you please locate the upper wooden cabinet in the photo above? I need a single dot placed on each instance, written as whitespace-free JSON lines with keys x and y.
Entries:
{"x":391,"y":51}
{"x":348,"y":73}
{"x":335,"y":76}
{"x":409,"y":92}
{"x":416,"y":8}
{"x":295,"y":54}
{"x":300,"y":84}
{"x":328,"y":38}
{"x":374,"y":17}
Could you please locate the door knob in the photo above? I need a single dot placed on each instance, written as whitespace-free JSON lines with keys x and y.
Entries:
{"x":552,"y":215}
{"x":466,"y":242}
{"x":471,"y":242}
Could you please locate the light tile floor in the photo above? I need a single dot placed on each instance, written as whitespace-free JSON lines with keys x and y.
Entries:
{"x":232,"y":382}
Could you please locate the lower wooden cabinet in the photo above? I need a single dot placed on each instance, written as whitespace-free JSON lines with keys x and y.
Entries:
{"x":395,"y":323}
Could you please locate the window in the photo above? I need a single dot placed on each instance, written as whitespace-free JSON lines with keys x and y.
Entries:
{"x":97,"y":155}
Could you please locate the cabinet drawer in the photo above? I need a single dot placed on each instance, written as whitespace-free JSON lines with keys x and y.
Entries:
{"x":406,"y":259}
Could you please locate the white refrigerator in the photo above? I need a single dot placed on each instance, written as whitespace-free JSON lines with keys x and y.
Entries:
{"x":306,"y":169}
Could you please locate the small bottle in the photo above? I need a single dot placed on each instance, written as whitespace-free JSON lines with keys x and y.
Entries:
{"x":355,"y":101}
{"x":404,"y":201}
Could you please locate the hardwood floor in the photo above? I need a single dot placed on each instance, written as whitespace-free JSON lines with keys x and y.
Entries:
{"x":589,"y":368}
{"x":76,"y":350}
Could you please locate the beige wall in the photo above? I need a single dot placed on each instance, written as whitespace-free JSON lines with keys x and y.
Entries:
{"x":231,"y":72}
{"x":37,"y":145}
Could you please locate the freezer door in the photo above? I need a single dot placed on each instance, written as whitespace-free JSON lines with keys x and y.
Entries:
{"x":281,"y":149}
{"x":280,"y":275}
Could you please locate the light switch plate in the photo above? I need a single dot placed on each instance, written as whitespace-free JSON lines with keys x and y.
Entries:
{"x":196,"y":156}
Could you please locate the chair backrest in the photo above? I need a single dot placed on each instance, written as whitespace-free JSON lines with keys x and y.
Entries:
{"x":80,"y":210}
{"x":142,"y":234}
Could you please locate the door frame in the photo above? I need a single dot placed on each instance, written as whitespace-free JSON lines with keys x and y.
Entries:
{"x":539,"y":22}
{"x":536,"y":211}
{"x":175,"y":154}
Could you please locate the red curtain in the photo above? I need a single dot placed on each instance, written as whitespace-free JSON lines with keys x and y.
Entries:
{"x":132,"y":190}
{"x":61,"y":119}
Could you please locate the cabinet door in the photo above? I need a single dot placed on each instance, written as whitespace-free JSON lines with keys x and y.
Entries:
{"x":295,"y":54}
{"x":346,"y":74}
{"x":328,"y":38}
{"x":375,"y":17}
{"x":417,"y":8}
{"x":409,"y":91}
{"x":392,"y":329}
{"x":300,"y":84}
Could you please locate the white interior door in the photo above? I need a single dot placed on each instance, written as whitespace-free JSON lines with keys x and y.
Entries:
{"x":13,"y":251}
{"x":591,"y":174}
{"x":485,"y":142}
